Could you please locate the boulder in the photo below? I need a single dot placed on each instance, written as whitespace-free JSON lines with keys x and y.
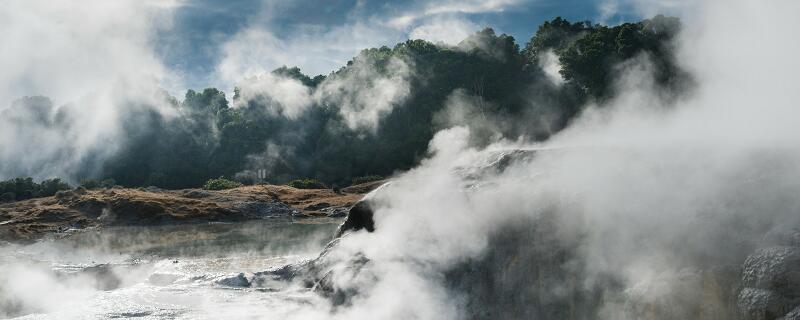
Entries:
{"x":774,"y":268}
{"x":761,"y":304}
{"x":792,"y":315}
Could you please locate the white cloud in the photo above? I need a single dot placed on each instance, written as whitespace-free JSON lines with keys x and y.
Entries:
{"x":436,"y":8}
{"x":257,"y":50}
{"x":449,"y":31}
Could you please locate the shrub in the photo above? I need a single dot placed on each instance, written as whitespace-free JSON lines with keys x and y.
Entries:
{"x":307,"y":184}
{"x":365,"y":179}
{"x":221,"y":184}
{"x":8,"y":197}
{"x":51,"y":186}
{"x":108,"y":183}
{"x":89,"y":184}
{"x":25,"y":188}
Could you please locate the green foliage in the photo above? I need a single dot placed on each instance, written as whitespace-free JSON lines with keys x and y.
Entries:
{"x":306,"y":184}
{"x":108,"y":183}
{"x":25,"y":188}
{"x":208,"y":138}
{"x":553,"y":35}
{"x":49,"y":187}
{"x":89,"y":184}
{"x":221,"y":184}
{"x":590,"y":60}
{"x":295,"y":73}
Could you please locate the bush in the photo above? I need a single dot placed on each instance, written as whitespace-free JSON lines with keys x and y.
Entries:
{"x":8,"y":197}
{"x":89,"y":184}
{"x":365,"y":179}
{"x":221,"y":184}
{"x":108,"y":183}
{"x":25,"y":188}
{"x":51,"y":186}
{"x":306,"y":184}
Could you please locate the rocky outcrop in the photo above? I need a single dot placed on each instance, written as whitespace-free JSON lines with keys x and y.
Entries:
{"x":771,"y":279}
{"x":530,"y":271}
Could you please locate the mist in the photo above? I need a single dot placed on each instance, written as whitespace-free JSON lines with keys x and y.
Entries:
{"x":648,"y":204}
{"x":650,"y":195}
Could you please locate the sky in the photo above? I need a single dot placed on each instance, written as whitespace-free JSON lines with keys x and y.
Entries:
{"x":67,"y":50}
{"x":212,"y":42}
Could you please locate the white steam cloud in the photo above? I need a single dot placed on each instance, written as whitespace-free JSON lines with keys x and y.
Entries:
{"x":364,"y":94}
{"x":647,"y":185}
{"x":93,"y":57}
{"x":549,"y":63}
{"x":655,"y":189}
{"x":282,"y":95}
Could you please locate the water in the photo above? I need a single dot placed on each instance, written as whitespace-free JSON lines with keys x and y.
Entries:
{"x":166,"y":272}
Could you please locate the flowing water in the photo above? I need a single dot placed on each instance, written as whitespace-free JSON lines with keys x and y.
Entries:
{"x":165,"y":272}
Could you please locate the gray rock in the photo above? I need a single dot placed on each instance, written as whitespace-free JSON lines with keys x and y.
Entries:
{"x":337,"y":213}
{"x":318,"y":206}
{"x":761,"y":304}
{"x":792,"y":315}
{"x":774,"y":268}
{"x":238,"y":281}
{"x":196,"y":194}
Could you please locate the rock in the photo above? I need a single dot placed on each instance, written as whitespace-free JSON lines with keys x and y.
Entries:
{"x":104,"y":276}
{"x":196,"y":194}
{"x":771,"y":281}
{"x":792,"y":315}
{"x":774,"y":268}
{"x":317,"y":206}
{"x":761,"y":304}
{"x":238,"y":281}
{"x":337,"y":213}
{"x":64,"y":194}
{"x":364,"y":187}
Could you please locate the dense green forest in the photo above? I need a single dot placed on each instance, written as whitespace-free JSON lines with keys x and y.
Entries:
{"x":507,"y":87}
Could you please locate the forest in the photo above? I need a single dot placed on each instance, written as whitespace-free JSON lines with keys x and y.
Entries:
{"x":328,"y":131}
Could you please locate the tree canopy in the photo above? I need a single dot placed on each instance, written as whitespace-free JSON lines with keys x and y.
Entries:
{"x":484,"y":79}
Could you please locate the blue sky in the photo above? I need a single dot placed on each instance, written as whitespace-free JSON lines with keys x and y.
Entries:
{"x":211,"y":42}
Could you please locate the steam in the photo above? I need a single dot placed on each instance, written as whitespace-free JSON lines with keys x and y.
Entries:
{"x":364,"y":94}
{"x":283,"y":96}
{"x":654,"y":188}
{"x":650,"y":188}
{"x":548,"y":61}
{"x":95,"y":59}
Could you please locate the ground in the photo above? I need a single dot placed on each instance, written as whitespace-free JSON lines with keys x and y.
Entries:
{"x":76,"y":209}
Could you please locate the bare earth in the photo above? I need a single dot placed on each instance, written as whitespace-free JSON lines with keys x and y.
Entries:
{"x":76,"y":209}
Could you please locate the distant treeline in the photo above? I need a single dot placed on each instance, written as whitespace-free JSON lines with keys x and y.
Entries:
{"x":509,"y":90}
{"x":25,"y":188}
